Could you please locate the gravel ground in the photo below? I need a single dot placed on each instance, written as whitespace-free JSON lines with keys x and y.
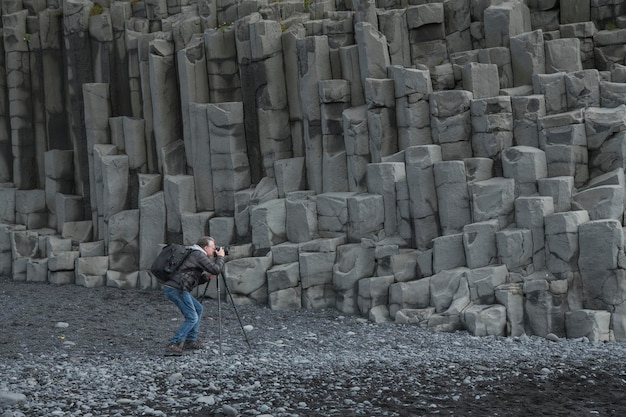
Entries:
{"x":72,"y":351}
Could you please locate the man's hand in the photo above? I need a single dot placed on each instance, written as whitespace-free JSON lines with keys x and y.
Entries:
{"x":220,"y":251}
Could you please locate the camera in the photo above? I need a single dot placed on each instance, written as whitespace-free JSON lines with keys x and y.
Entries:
{"x":226,"y":248}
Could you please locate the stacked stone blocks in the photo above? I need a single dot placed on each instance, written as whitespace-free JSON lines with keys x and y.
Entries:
{"x":448,"y":166}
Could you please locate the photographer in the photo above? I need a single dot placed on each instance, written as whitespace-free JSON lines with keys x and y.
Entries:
{"x":203,"y":263}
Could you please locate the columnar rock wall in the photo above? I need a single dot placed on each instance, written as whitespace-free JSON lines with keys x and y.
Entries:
{"x":455,"y":164}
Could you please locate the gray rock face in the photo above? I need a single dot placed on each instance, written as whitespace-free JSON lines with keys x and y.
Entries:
{"x":449,"y":166}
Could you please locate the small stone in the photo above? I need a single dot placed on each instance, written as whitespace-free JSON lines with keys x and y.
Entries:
{"x":229,"y":411}
{"x":62,"y":325}
{"x":248,"y":328}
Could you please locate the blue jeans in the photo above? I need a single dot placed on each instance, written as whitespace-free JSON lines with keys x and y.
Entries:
{"x":192,"y":311}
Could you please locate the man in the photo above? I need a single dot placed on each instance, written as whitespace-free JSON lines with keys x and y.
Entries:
{"x":203,"y":263}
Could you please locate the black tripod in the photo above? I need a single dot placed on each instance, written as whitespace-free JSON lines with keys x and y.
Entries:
{"x":219,"y":278}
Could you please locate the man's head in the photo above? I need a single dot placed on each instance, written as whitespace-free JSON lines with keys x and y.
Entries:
{"x":208,"y":244}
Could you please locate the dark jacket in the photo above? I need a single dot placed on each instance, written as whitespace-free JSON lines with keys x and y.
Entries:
{"x":195,"y":269}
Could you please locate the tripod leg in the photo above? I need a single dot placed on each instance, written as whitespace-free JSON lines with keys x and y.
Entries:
{"x":219,"y":312}
{"x":237,"y":313}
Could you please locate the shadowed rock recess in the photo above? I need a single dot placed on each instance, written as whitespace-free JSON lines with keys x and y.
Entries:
{"x":454,"y":165}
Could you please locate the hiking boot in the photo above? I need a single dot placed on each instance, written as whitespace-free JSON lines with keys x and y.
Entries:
{"x":192,"y":345}
{"x":173,"y":349}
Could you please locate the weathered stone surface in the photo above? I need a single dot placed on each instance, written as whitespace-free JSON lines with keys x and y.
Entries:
{"x":280,"y":277}
{"x":527,"y":109}
{"x":373,"y":292}
{"x":353,"y":263}
{"x":515,"y":248}
{"x":365,"y":216}
{"x":332,"y":211}
{"x":560,"y":189}
{"x":511,"y":296}
{"x":452,"y":196}
{"x":123,"y":241}
{"x":601,"y":243}
{"x":529,"y":214}
{"x":527,"y":56}
{"x":246,"y":277}
{"x":267,"y":221}
{"x":479,"y":243}
{"x":592,"y":324}
{"x":484,"y":281}
{"x":300,"y":217}
{"x":423,"y":205}
{"x":409,"y":295}
{"x":493,"y":199}
{"x":545,"y":305}
{"x":485,"y":320}
{"x":448,"y":252}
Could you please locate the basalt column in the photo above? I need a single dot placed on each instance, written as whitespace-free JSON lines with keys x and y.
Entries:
{"x":194,"y":88}
{"x":19,"y":88}
{"x":314,"y":57}
{"x":97,"y":110}
{"x":335,"y":98}
{"x":229,"y":161}
{"x":53,"y":80}
{"x":36,"y":97}
{"x":166,"y":108}
{"x":6,"y":161}
{"x":79,"y":71}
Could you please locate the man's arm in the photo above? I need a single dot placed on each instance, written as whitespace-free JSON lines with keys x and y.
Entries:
{"x":213,"y":267}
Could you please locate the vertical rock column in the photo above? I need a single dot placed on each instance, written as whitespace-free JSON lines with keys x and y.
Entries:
{"x":373,"y":51}
{"x":165,"y":105}
{"x":412,"y":87}
{"x":564,"y":140}
{"x":229,"y":160}
{"x":356,"y":139}
{"x":59,"y":170}
{"x":492,"y":128}
{"x":584,"y":31}
{"x":451,"y":123}
{"x":334,"y":99}
{"x":134,"y":75}
{"x":562,"y":249}
{"x":271,"y":93}
{"x":290,"y":59}
{"x":101,"y":39}
{"x":603,"y":278}
{"x":393,"y":25}
{"x":121,"y":12}
{"x":143,"y":55}
{"x":200,"y":161}
{"x":97,"y":110}
{"x":457,"y":25}
{"x":54,"y":80}
{"x":221,"y":60}
{"x":23,"y":143}
{"x":423,"y":205}
{"x":606,"y":134}
{"x":388,"y":179}
{"x":381,"y":118}
{"x":194,"y":88}
{"x":79,"y":71}
{"x":249,"y":84}
{"x":427,"y":34}
{"x":526,"y":112}
{"x":452,"y":196}
{"x":529,"y":214}
{"x":6,"y":160}
{"x":133,"y":141}
{"x":37,"y":94}
{"x":313,"y":53}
